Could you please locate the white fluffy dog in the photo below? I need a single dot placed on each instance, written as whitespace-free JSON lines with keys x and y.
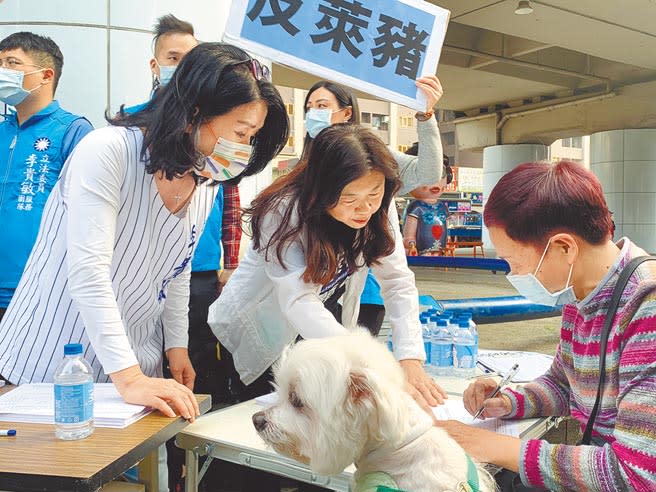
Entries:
{"x":341,"y":401}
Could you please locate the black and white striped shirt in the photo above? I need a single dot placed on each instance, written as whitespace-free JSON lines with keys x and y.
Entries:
{"x":109,"y":269}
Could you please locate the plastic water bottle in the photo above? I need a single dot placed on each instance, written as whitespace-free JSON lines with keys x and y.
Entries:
{"x":454,"y":325}
{"x":441,"y":348}
{"x":472,"y":325}
{"x":465,"y":350}
{"x":390,"y":345}
{"x":426,"y":335}
{"x":73,"y":395}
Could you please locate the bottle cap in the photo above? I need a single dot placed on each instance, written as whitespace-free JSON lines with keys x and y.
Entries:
{"x":72,"y":349}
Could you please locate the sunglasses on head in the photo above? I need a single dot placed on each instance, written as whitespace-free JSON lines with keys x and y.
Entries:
{"x":259,"y":71}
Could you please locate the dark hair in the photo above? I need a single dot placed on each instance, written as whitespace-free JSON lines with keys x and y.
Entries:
{"x":339,"y":155}
{"x":42,"y":49}
{"x":211,"y":80}
{"x":345,"y":98}
{"x":168,"y":24}
{"x":446,"y":167}
{"x":538,"y":199}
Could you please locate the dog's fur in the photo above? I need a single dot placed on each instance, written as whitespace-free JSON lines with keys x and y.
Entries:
{"x":342,"y":401}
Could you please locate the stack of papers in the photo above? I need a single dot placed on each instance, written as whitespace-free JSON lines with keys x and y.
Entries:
{"x":35,"y":403}
{"x":454,"y":409}
{"x":531,"y":364}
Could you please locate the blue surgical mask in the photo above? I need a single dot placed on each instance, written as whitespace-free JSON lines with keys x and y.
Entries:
{"x":317,"y":120}
{"x":165,"y":73}
{"x":11,"y":86}
{"x":530,"y":287}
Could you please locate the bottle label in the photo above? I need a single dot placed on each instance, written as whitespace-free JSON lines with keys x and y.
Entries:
{"x":442,"y":355}
{"x":73,"y":403}
{"x":427,"y":350}
{"x":465,"y":356}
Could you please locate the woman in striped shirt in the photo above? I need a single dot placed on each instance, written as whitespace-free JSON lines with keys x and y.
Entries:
{"x":551,"y":223}
{"x":110,"y":267}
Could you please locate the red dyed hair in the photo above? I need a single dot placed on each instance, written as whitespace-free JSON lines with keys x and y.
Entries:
{"x":536,"y":200}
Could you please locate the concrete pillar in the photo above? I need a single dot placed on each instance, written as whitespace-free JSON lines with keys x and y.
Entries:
{"x":625,"y":163}
{"x":106,"y":45}
{"x":393,"y":125}
{"x":498,"y":160}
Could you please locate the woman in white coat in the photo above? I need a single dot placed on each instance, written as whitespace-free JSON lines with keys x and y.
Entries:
{"x":316,"y":231}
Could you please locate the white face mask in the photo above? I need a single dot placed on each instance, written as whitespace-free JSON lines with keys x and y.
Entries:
{"x":165,"y":73}
{"x":228,"y":160}
{"x":530,"y":287}
{"x":11,"y":86}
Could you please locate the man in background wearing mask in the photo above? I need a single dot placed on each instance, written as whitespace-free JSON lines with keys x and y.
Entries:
{"x":173,"y":39}
{"x":36,"y":138}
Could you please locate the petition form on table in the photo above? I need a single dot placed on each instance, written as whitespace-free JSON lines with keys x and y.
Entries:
{"x":36,"y":403}
{"x":454,"y":409}
{"x":531,"y":364}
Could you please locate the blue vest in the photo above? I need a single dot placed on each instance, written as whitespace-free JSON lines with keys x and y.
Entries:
{"x":31,"y":158}
{"x":207,"y":256}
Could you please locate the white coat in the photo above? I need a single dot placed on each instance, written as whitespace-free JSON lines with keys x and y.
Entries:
{"x":265,"y":306}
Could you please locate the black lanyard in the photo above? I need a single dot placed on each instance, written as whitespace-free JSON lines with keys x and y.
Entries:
{"x":603,"y":341}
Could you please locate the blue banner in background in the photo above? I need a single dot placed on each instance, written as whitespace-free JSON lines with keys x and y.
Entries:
{"x":384,"y":44}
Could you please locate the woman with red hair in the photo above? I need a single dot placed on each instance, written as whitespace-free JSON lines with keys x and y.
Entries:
{"x":551,"y":223}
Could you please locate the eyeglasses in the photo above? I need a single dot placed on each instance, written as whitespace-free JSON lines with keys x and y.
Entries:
{"x":258,"y":70}
{"x":15,"y":64}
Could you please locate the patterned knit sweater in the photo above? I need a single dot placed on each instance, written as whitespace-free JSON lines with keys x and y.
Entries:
{"x":626,"y":422}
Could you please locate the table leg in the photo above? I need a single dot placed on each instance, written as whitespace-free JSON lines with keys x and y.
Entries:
{"x":149,"y":471}
{"x":191,"y":478}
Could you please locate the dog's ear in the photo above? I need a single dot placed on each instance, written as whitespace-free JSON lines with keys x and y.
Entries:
{"x":375,"y":404}
{"x":369,"y":396}
{"x":358,"y":387}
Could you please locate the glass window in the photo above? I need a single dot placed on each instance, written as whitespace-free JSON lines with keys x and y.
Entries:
{"x":380,"y":121}
{"x":406,"y":121}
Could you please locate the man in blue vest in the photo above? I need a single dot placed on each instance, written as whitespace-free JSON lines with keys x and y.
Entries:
{"x":35,"y":141}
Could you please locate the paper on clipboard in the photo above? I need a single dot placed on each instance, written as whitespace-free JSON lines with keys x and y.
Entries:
{"x":531,"y":364}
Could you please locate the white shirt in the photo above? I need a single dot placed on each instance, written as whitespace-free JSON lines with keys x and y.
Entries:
{"x":109,"y":269}
{"x":265,"y":306}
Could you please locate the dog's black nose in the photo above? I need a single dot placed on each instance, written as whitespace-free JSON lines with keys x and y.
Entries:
{"x":259,"y":421}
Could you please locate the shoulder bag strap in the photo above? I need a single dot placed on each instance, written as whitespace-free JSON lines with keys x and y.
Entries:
{"x":603,"y":341}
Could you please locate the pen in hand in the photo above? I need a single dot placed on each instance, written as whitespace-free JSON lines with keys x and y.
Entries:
{"x":511,"y":374}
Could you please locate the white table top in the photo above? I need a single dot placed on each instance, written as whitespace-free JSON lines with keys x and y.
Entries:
{"x":229,"y":434}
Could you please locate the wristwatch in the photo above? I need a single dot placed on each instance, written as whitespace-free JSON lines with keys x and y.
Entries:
{"x":423,"y":116}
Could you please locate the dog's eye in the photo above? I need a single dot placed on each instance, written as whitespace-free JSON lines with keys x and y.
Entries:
{"x":295,"y":400}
